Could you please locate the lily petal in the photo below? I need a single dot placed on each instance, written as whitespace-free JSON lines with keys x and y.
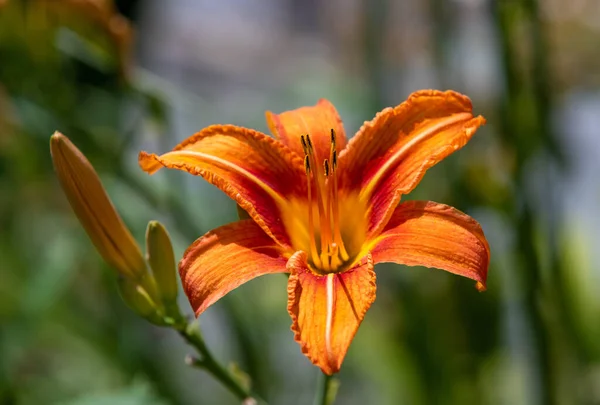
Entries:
{"x":390,"y":154}
{"x":425,"y":233}
{"x":327,"y":310}
{"x":253,"y":169}
{"x":225,"y":258}
{"x":316,"y":121}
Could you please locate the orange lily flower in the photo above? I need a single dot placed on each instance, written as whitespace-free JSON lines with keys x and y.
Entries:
{"x":327,"y":211}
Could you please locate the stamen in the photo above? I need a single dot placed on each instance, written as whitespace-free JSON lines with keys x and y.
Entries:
{"x":332,"y":253}
{"x":309,"y":143}
{"x":337,"y":236}
{"x":311,"y":227}
{"x":326,"y":238}
{"x":304,"y":147}
{"x":332,"y":149}
{"x":323,"y":224}
{"x":307,"y":166}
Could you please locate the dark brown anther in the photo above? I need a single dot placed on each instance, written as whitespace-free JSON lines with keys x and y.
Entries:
{"x":308,"y":143}
{"x":326,"y":167}
{"x":304,"y":147}
{"x":307,"y":165}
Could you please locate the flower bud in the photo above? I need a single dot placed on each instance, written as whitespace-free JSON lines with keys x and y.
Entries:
{"x":140,"y":301}
{"x":159,"y":253}
{"x":94,"y":209}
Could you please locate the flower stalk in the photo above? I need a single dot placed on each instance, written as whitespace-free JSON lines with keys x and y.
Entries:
{"x":191,"y":333}
{"x":327,"y":387}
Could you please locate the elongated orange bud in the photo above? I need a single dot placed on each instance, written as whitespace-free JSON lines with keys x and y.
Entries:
{"x":94,"y":209}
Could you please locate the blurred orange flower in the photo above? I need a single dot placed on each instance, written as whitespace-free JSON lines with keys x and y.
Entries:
{"x":326,"y":211}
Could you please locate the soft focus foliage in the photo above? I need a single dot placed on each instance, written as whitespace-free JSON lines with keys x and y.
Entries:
{"x":529,"y":177}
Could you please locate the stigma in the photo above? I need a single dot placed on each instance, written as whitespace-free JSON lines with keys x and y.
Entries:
{"x":327,"y":251}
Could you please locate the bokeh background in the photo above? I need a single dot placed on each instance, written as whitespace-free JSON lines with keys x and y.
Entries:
{"x":120,"y":76}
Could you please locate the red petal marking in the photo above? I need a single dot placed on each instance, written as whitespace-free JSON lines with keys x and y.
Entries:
{"x":390,"y":154}
{"x":225,"y":258}
{"x":327,"y":310}
{"x":258,"y":172}
{"x":425,"y":233}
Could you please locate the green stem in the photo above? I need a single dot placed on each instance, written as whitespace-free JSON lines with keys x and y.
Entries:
{"x":208,"y":363}
{"x":326,"y":392}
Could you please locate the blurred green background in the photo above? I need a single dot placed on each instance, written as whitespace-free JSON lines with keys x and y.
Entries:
{"x":130,"y":75}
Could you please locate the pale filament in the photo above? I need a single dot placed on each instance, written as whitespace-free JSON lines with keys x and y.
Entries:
{"x":337,"y":236}
{"x":332,"y":252}
{"x":311,"y":225}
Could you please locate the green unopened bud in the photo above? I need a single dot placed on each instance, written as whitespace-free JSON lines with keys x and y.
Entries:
{"x":159,"y":253}
{"x":94,"y":209}
{"x":139,"y":300}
